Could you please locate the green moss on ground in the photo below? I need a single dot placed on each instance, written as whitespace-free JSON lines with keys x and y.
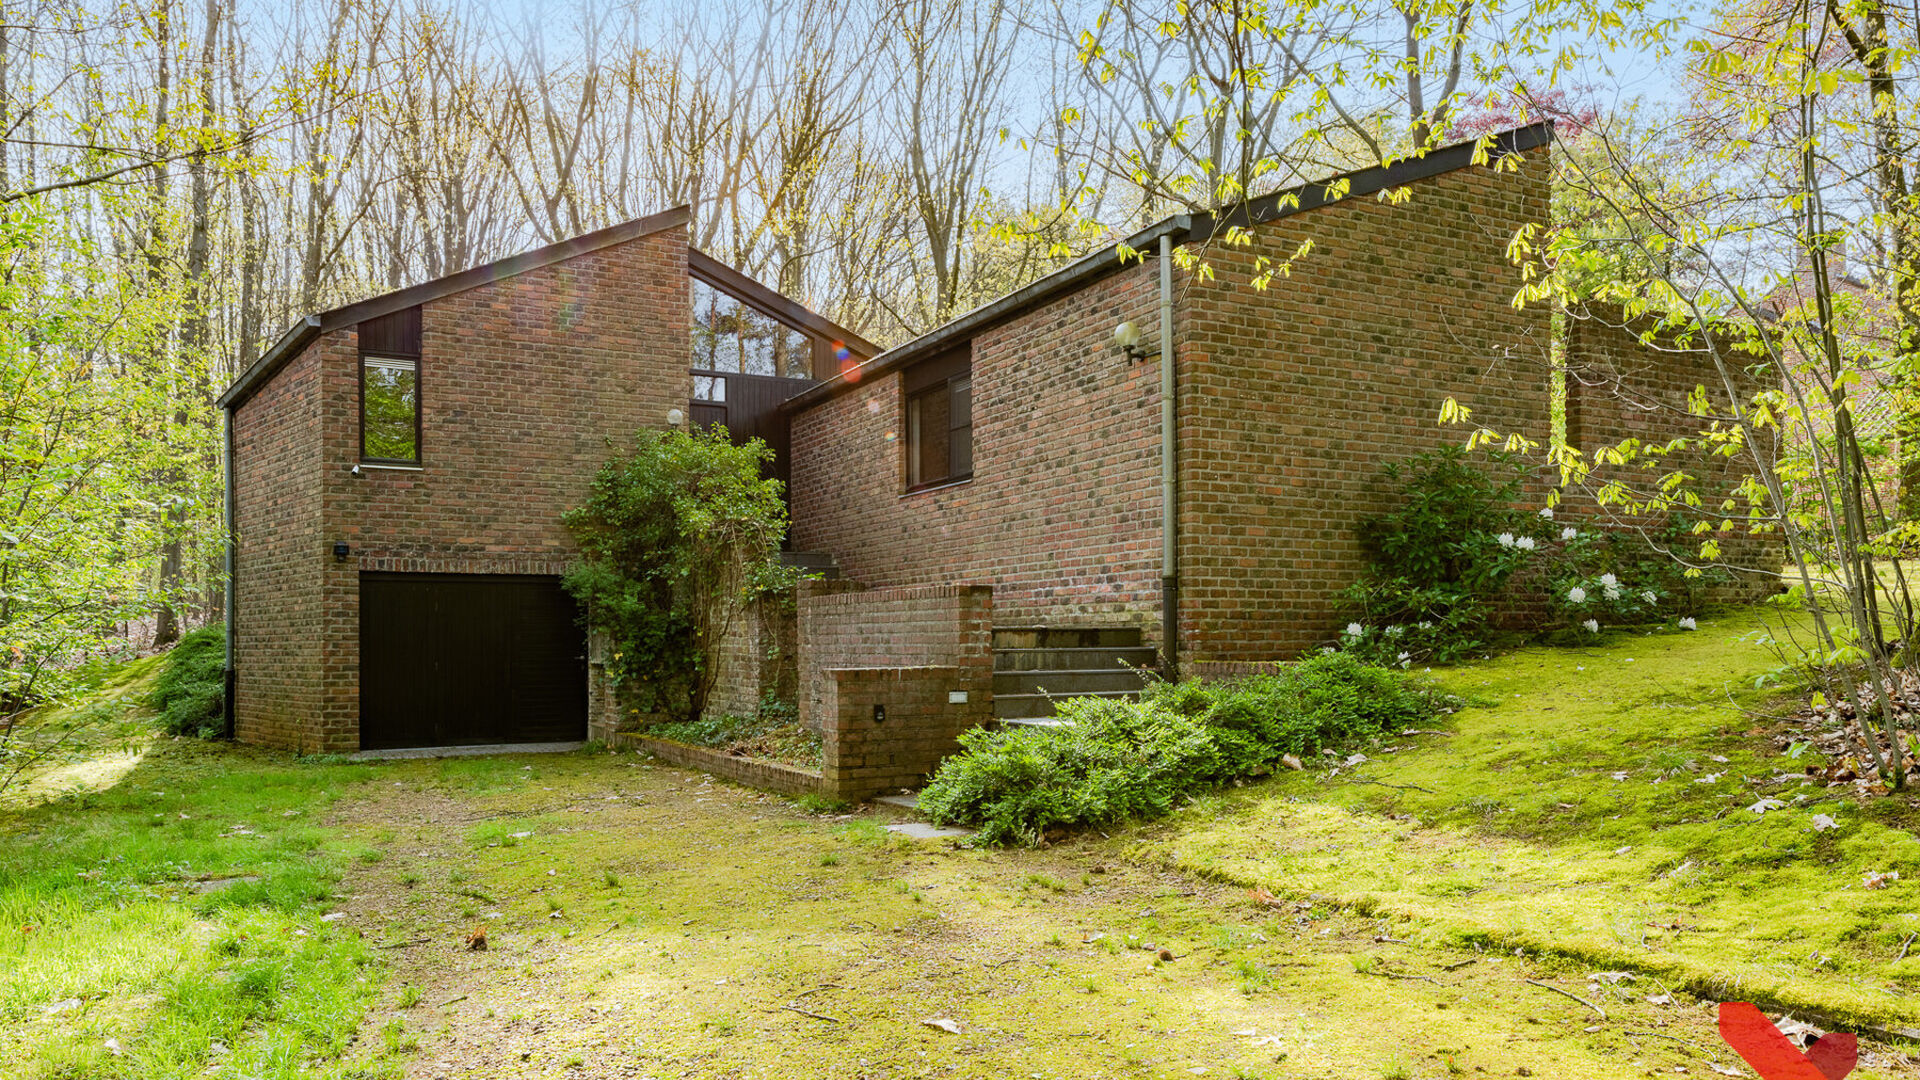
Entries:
{"x":1595,"y":802}
{"x":160,"y":906}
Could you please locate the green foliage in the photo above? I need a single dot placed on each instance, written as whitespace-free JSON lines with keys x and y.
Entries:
{"x":774,"y":732}
{"x":189,"y":694}
{"x":1116,"y":760}
{"x":677,"y":537}
{"x":1455,"y":551}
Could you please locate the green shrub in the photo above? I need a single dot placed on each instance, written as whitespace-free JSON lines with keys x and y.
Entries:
{"x":189,"y":694}
{"x":1117,"y":760}
{"x":676,"y":537}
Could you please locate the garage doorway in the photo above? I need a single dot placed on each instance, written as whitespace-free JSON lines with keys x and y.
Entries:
{"x":469,"y":659}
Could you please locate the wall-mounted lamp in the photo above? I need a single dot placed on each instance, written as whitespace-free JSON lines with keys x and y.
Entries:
{"x":675,"y":417}
{"x":355,"y":471}
{"x":341,"y":551}
{"x":1126,"y":338}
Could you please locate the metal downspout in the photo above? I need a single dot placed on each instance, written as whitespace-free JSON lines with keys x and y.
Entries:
{"x":1169,"y":443}
{"x":233,"y":583}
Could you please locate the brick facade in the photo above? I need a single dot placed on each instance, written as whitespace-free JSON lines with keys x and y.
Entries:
{"x":280,"y":560}
{"x":1289,"y":403}
{"x":527,"y":384}
{"x":1619,"y":388}
{"x":1062,"y":513}
{"x":1292,"y":400}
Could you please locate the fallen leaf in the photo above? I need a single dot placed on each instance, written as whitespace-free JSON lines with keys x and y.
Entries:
{"x":1822,"y":822}
{"x":1291,"y":762}
{"x":943,"y":1024}
{"x":113,"y":1047}
{"x":59,"y":1007}
{"x":1879,"y":880}
{"x":1765,"y":805}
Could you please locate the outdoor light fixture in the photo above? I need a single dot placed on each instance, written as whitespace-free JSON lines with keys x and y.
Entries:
{"x":1126,"y":338}
{"x":341,"y":551}
{"x":674,"y":417}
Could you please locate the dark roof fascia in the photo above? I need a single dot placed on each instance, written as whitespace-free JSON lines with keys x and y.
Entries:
{"x":1072,"y":276}
{"x":715,"y":272}
{"x":1370,"y":181}
{"x":301,"y":333}
{"x":1184,"y":228}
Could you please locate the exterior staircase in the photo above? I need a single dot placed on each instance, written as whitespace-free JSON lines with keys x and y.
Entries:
{"x":811,"y":562}
{"x":1035,"y":666}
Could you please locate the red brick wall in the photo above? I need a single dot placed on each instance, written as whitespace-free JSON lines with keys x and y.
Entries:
{"x":1062,"y":513}
{"x":1619,"y":388}
{"x":1292,"y":400}
{"x":940,"y":625}
{"x":527,"y":385}
{"x":276,"y":443}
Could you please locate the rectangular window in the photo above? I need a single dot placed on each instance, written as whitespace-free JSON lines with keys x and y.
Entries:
{"x":939,"y":422}
{"x":389,"y":409}
{"x":709,"y":388}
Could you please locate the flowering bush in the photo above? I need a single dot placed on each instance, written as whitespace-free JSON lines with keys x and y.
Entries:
{"x":1457,"y":548}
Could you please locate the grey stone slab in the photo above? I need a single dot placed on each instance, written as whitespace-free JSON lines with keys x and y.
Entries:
{"x":467,"y":751}
{"x":905,"y":802}
{"x":920,"y":830}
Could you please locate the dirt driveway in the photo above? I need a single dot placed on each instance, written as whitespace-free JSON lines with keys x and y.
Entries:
{"x":644,"y":921}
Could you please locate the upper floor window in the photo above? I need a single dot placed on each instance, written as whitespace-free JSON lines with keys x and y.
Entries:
{"x":729,"y":335}
{"x":939,"y":420}
{"x":390,"y":388}
{"x":389,"y":409}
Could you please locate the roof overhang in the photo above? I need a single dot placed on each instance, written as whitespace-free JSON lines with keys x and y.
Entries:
{"x":1183,"y":229}
{"x":301,"y":333}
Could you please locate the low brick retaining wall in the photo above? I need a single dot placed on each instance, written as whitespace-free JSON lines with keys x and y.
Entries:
{"x":753,"y":772}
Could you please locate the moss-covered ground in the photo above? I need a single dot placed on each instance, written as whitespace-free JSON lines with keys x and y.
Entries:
{"x":1603,"y":803}
{"x":1562,"y":886}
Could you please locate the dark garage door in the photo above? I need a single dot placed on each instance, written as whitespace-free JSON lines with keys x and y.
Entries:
{"x":459,"y":659}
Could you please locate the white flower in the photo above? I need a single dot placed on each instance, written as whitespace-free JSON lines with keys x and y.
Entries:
{"x":1547,"y":512}
{"x":1613,"y":592}
{"x":1649,"y":597}
{"x":1592,"y":625}
{"x":1577,"y":594}
{"x":1425,"y":625}
{"x":1392,"y":631}
{"x":1569,"y":533}
{"x":1506,"y":539}
{"x":1525,"y":543}
{"x":1609,"y":579}
{"x":1354,"y":629}
{"x":1406,"y":659}
{"x":1687,"y":623}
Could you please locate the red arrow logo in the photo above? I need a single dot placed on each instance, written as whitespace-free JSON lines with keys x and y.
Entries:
{"x":1775,"y":1057}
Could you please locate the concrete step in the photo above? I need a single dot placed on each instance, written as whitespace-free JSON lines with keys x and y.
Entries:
{"x":1065,"y":637}
{"x":818,"y":563}
{"x":1025,"y":706}
{"x":1063,"y":681}
{"x":1080,"y":658}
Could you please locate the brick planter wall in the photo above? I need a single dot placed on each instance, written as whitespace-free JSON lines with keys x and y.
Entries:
{"x":753,"y":772}
{"x":935,"y":625}
{"x":866,"y":755}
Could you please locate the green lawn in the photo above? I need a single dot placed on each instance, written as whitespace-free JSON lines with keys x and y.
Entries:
{"x":1598,"y":803}
{"x":127,"y":949}
{"x":162,"y":903}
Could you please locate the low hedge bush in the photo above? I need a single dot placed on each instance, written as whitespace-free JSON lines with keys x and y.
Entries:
{"x":1118,"y":760}
{"x":190,"y":690}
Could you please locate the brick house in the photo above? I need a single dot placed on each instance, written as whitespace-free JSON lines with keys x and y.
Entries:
{"x":1018,"y":485}
{"x":398,"y":468}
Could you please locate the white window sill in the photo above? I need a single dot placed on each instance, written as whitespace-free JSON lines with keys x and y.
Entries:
{"x":368,"y":466}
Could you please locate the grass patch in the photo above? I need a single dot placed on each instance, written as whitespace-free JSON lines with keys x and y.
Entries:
{"x":173,"y":907}
{"x":1598,"y":802}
